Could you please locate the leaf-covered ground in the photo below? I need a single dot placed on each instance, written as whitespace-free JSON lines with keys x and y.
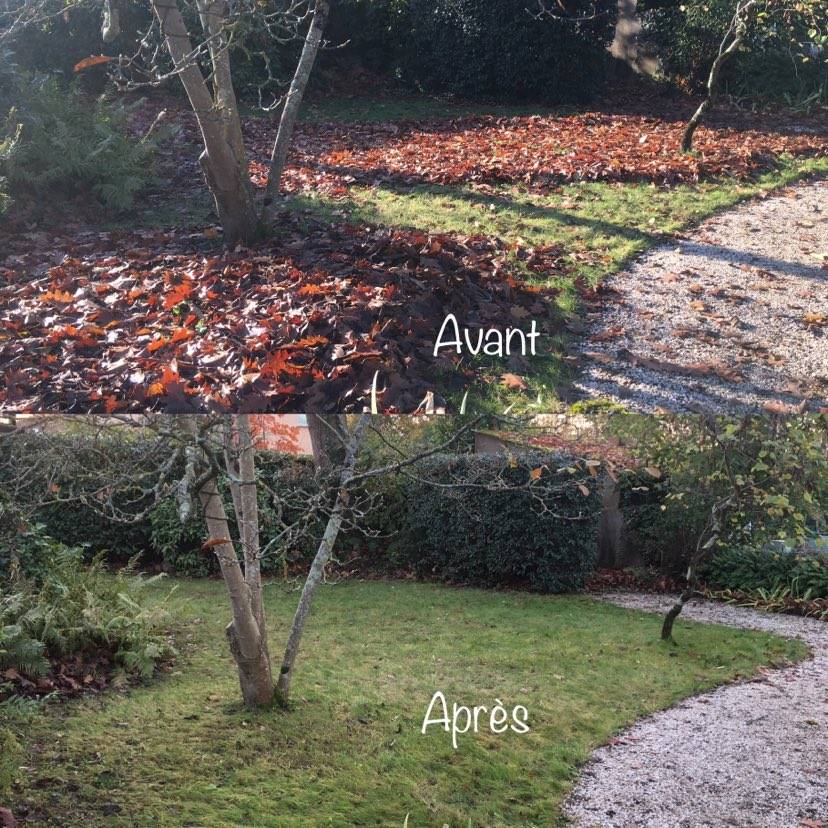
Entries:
{"x":164,"y":319}
{"x":538,"y":151}
{"x":119,"y":321}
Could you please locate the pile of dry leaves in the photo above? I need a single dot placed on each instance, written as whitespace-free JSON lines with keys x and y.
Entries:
{"x":166,"y":321}
{"x":538,"y":151}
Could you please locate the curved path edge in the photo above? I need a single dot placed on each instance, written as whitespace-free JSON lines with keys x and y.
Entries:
{"x":753,"y":754}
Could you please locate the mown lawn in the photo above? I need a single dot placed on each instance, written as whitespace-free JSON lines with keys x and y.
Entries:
{"x":181,"y":752}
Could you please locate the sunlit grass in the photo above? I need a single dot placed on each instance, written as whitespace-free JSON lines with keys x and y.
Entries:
{"x":599,"y":226}
{"x":182,"y":752}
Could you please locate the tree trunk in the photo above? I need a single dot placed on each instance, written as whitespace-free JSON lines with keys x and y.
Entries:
{"x":245,"y":633}
{"x":624,"y":45}
{"x":223,"y":161}
{"x":712,"y":91}
{"x":323,"y":555}
{"x":290,"y":111}
{"x":321,"y":441}
{"x":674,"y":612}
{"x":249,"y":526}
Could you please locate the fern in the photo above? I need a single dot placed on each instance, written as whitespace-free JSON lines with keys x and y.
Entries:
{"x":54,"y":143}
{"x":21,"y":653}
{"x":75,"y":610}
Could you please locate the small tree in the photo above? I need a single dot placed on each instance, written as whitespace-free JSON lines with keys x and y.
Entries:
{"x":200,"y":57}
{"x":208,"y":463}
{"x":752,"y":19}
{"x":761,"y":478}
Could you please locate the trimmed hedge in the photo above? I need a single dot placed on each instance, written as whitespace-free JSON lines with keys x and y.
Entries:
{"x":498,"y":50}
{"x":500,"y":538}
{"x":163,"y":541}
{"x":178,"y":548}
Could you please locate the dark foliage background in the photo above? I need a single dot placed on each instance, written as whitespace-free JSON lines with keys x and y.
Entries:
{"x":500,"y":538}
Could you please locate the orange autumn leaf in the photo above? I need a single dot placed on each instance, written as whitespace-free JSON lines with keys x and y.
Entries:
{"x":210,"y":544}
{"x":311,"y":290}
{"x":170,"y":375}
{"x":57,"y":296}
{"x":308,"y":342}
{"x":92,"y":60}
{"x":180,"y":335}
{"x":513,"y":381}
{"x":177,"y":295}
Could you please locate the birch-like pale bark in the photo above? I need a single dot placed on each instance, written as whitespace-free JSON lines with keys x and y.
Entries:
{"x":293,"y":101}
{"x":223,"y":161}
{"x":249,"y":525}
{"x":245,"y":634}
{"x":323,"y":555}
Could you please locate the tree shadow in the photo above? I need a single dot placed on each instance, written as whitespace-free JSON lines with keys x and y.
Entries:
{"x":677,"y":392}
{"x":545,"y":213}
{"x":746,"y":257}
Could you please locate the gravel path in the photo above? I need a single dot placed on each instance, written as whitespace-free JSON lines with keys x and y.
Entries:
{"x":731,"y":317}
{"x":749,"y":755}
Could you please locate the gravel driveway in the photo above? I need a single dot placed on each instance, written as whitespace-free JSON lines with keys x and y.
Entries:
{"x":750,"y":755}
{"x":731,"y":317}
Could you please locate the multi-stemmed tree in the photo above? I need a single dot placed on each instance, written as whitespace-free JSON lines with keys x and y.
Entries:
{"x":209,"y":465}
{"x":193,"y":40}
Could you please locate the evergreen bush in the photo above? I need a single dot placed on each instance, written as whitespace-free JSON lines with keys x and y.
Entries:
{"x":488,"y":535}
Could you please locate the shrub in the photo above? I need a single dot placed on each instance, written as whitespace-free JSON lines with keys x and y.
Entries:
{"x":79,"y":525}
{"x":178,"y":545}
{"x":55,"y":143}
{"x":65,"y":464}
{"x":769,"y":568}
{"x":661,"y":531}
{"x":499,"y":50}
{"x":769,"y":473}
{"x":488,"y":537}
{"x":686,"y":39}
{"x":78,"y":611}
{"x":27,"y":552}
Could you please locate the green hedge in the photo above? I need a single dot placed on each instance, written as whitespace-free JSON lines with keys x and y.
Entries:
{"x":660,"y":531}
{"x":498,"y":50}
{"x":159,"y":539}
{"x":500,"y":538}
{"x":178,"y":548}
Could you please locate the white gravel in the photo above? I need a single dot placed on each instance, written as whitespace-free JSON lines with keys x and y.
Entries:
{"x":733,"y":316}
{"x":750,"y":755}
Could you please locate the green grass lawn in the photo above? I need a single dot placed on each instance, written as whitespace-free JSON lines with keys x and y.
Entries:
{"x":182,"y":752}
{"x":601,"y":226}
